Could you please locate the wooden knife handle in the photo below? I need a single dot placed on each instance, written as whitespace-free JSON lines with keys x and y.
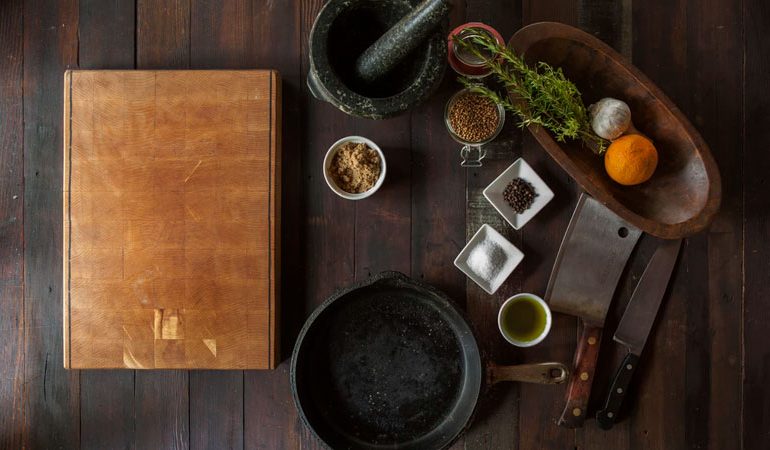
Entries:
{"x":542,"y":373}
{"x":579,"y":388}
{"x":606,"y":416}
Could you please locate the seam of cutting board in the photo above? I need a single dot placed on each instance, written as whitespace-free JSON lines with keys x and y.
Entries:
{"x":269,"y":221}
{"x":69,"y":224}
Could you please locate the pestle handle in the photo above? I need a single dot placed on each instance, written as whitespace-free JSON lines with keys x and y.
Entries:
{"x":391,"y":48}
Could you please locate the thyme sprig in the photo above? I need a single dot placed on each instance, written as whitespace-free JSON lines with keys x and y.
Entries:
{"x":539,"y":95}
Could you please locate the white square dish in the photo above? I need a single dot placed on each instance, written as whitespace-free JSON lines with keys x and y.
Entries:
{"x":494,"y":193}
{"x":489,"y":249}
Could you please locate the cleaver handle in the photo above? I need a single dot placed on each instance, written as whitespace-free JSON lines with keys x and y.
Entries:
{"x":579,"y":388}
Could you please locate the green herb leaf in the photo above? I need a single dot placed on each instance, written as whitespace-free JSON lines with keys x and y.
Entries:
{"x":538,"y":96}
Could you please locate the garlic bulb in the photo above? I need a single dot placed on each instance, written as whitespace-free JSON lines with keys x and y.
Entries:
{"x":610,"y":118}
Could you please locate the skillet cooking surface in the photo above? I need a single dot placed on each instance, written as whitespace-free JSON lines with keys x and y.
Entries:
{"x":385,"y":365}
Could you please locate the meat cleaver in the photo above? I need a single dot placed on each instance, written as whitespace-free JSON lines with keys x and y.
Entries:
{"x":591,"y":258}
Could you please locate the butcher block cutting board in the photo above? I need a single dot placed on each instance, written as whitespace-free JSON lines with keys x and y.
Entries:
{"x":171,"y":219}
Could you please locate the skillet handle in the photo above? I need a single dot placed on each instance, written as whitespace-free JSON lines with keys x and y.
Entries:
{"x":579,"y":388}
{"x":542,"y":373}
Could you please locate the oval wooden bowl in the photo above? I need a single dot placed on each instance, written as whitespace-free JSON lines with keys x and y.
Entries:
{"x":684,"y":194}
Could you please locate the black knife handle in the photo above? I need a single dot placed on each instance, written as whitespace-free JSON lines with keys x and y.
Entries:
{"x":607,"y":415}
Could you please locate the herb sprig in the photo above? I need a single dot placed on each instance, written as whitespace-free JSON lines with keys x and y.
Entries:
{"x":541,"y":95}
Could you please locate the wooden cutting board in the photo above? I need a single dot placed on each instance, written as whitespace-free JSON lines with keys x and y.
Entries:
{"x":171,"y":219}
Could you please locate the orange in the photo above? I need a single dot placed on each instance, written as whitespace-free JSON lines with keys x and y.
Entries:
{"x":631,"y":159}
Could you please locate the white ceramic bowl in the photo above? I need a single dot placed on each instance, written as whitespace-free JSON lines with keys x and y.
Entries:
{"x":330,"y":156}
{"x":548,"y":319}
{"x":494,"y":193}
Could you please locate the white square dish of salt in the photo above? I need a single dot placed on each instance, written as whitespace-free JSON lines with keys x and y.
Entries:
{"x":488,"y":259}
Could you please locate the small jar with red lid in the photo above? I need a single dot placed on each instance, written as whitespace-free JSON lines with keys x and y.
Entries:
{"x":465,"y":62}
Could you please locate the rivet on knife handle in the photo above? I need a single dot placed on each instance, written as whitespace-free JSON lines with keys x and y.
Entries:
{"x":579,"y":388}
{"x":606,"y":416}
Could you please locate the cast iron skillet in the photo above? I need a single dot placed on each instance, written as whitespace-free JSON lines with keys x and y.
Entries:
{"x":392,"y":363}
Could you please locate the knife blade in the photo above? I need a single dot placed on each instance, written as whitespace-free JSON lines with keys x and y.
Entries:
{"x":591,"y":258}
{"x":636,"y":324}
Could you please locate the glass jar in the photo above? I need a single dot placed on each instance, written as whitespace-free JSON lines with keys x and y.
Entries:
{"x":472,"y":152}
{"x":464,"y":62}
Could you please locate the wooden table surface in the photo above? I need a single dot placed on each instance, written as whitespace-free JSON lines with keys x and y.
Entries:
{"x":701,"y":384}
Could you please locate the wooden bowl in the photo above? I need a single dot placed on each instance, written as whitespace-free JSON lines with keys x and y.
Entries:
{"x":684,"y":194}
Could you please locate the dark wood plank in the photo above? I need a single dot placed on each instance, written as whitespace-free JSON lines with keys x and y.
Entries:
{"x":11,"y":227}
{"x":106,"y":34}
{"x":11,"y":144}
{"x":383,"y":222}
{"x":216,"y":409}
{"x":107,"y":409}
{"x":51,"y":392}
{"x":106,"y":41}
{"x":438,"y":192}
{"x":162,"y":397}
{"x":694,"y":380}
{"x":163,"y":34}
{"x":270,"y":418}
{"x":714,"y":46}
{"x":609,"y":20}
{"x":756,"y":164}
{"x":664,"y":385}
{"x":496,"y":425}
{"x":162,"y":408}
{"x":328,"y":225}
{"x":221,"y":34}
{"x":540,"y":406}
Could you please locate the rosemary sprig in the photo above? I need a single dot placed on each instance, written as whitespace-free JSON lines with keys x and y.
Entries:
{"x":539,"y":95}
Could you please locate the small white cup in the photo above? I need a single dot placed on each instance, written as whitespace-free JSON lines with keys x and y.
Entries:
{"x":543,"y":305}
{"x":328,"y":162}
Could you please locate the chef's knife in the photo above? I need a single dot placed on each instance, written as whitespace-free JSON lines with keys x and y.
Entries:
{"x":591,"y":258}
{"x":635,"y":326}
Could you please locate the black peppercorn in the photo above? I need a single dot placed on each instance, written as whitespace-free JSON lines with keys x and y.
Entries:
{"x":519,"y":194}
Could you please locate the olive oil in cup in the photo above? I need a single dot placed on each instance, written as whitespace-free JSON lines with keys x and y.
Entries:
{"x":524,"y":320}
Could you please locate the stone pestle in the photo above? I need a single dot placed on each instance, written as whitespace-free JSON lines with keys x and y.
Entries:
{"x":406,"y":35}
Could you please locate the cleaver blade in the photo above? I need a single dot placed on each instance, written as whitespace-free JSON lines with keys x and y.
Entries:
{"x":591,"y":259}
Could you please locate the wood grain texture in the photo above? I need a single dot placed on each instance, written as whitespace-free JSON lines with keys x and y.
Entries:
{"x":162,"y":398}
{"x":107,"y":397}
{"x":269,"y":416}
{"x":684,"y":194}
{"x":161,"y":410}
{"x":219,"y":38}
{"x":169,"y":251}
{"x":328,"y":227}
{"x":496,"y":425}
{"x":11,"y":227}
{"x":273,"y":32}
{"x":755,"y":430}
{"x":542,"y":405}
{"x":581,"y":378}
{"x":163,"y":34}
{"x":51,"y":394}
{"x":715,"y":36}
{"x":708,"y":57}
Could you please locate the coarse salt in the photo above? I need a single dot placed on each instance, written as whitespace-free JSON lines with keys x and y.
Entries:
{"x":488,"y":261}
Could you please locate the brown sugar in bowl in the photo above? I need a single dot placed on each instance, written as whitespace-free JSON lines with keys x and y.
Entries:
{"x":330,"y":181}
{"x":685,"y":191}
